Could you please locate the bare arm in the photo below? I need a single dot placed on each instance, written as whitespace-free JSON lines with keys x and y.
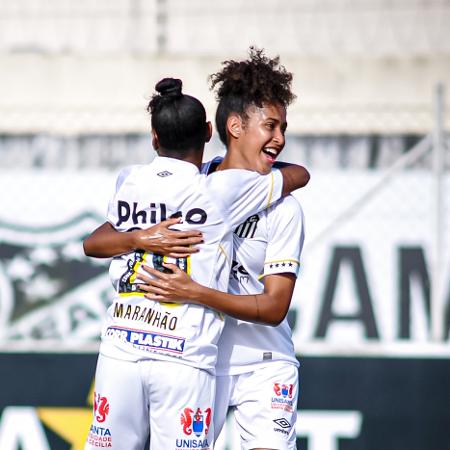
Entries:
{"x":106,"y":241}
{"x":269,"y":308}
{"x":294,"y":177}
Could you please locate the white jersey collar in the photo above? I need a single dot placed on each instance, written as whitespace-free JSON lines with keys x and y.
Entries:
{"x":165,"y":162}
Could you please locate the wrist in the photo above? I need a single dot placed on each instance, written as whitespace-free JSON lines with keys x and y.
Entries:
{"x":196,"y":293}
{"x":133,"y":241}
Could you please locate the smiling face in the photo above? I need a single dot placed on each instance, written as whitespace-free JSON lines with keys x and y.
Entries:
{"x":261,"y":137}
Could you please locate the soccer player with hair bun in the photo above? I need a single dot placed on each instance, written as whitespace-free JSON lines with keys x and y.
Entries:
{"x":155,"y":371}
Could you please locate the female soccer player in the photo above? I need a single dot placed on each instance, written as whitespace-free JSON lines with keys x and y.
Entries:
{"x":155,"y":368}
{"x":257,"y":371}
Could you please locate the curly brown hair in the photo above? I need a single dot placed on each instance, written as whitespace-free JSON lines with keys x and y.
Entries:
{"x":252,"y":82}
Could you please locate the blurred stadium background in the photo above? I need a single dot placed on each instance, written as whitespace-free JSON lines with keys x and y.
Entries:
{"x":371,"y":310}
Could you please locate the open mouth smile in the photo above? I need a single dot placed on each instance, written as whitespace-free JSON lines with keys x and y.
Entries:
{"x":271,"y":154}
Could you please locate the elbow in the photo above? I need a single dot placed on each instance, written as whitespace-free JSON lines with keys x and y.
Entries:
{"x":271,"y":323}
{"x":295,"y":178}
{"x":276,"y":321}
{"x":306,"y":178}
{"x":273,"y":319}
{"x":87,"y":248}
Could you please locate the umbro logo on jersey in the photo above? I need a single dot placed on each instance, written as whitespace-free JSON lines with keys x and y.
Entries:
{"x":283,"y":423}
{"x":248,"y":228}
{"x":164,"y":173}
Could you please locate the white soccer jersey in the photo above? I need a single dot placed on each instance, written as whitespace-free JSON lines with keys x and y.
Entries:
{"x":268,"y":242}
{"x":138,"y":328}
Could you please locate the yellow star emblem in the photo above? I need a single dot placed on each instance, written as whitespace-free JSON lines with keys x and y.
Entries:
{"x":72,"y":424}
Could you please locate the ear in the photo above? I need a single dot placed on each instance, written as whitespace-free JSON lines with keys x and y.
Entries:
{"x":234,"y":125}
{"x":155,"y":140}
{"x":208,"y":131}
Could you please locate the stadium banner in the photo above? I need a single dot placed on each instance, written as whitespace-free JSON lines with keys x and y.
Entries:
{"x":46,"y":403}
{"x":371,"y":377}
{"x":364,"y":278}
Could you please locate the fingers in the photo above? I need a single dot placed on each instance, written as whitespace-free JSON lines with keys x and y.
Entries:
{"x":175,"y":241}
{"x":180,"y":234}
{"x":141,"y":277}
{"x":154,"y":272}
{"x":161,"y":275}
{"x":159,"y":298}
{"x":179,"y":255}
{"x":174,"y":269}
{"x":179,"y":247}
{"x":185,"y":234}
{"x":151,"y":289}
{"x":168,"y":222}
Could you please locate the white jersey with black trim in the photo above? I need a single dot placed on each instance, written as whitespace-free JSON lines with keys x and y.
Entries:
{"x":138,"y":328}
{"x":269,"y":242}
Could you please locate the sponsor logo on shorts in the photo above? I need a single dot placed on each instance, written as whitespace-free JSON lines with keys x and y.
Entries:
{"x":194,"y":422}
{"x":283,"y":397}
{"x":99,"y":437}
{"x":182,"y":444}
{"x":283,"y":390}
{"x":101,"y":407}
{"x":148,"y":341}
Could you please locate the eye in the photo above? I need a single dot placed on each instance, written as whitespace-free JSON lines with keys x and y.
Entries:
{"x":270,"y":125}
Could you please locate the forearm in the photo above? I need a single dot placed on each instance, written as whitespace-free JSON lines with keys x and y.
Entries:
{"x":280,"y":164}
{"x":108,"y":244}
{"x":260,"y":308}
{"x":294,"y":177}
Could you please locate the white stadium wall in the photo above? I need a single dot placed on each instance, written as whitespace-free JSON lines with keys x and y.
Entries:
{"x":89,"y":67}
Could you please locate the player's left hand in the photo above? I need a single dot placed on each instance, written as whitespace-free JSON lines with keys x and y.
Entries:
{"x":175,"y":287}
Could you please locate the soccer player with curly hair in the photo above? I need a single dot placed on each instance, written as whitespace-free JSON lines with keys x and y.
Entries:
{"x":257,"y":370}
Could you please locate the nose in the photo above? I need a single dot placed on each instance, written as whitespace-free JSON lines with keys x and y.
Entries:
{"x":278,"y":138}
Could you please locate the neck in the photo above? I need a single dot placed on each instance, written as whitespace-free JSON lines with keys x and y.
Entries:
{"x":192,"y":156}
{"x":233,"y":160}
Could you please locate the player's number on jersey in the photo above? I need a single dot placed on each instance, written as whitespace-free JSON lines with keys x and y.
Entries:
{"x":181,"y":263}
{"x":128,"y":283}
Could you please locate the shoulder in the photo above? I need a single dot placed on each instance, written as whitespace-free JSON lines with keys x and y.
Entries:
{"x":232,"y":179}
{"x":285,"y":205}
{"x":126,"y":172}
{"x":211,"y":166}
{"x":285,"y":214}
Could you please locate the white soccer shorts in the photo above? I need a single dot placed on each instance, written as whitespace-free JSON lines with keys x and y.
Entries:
{"x":264,"y":404}
{"x":170,"y":401}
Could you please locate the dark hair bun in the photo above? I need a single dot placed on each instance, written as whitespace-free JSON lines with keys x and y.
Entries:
{"x":169,"y":87}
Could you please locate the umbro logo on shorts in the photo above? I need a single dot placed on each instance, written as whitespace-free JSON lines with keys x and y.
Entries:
{"x":283,"y":423}
{"x":164,"y":173}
